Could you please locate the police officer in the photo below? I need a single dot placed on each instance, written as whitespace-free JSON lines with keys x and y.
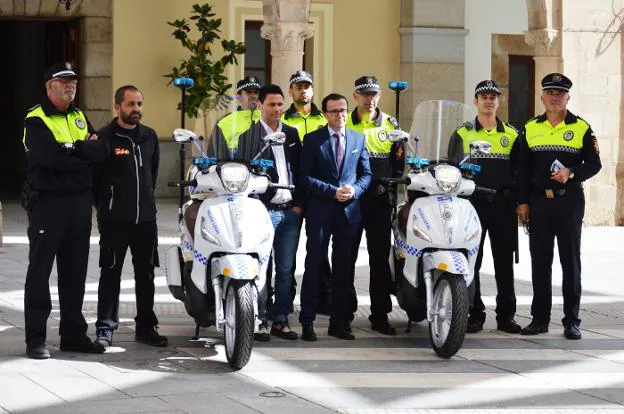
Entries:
{"x":558,"y":151}
{"x":386,"y":160}
{"x":124,"y":186}
{"x":304,"y":115}
{"x":497,"y":213}
{"x":60,"y":148}
{"x":232,"y":125}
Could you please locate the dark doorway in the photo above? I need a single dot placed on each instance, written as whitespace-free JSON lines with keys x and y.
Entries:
{"x":28,"y":47}
{"x":521,"y":89}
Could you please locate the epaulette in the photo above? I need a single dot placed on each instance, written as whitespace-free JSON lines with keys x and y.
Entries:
{"x":578,"y":117}
{"x":510,"y":126}
{"x":469,"y":125}
{"x":33,"y":108}
{"x":394,"y":122}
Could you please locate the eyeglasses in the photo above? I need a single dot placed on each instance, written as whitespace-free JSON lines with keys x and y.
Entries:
{"x":341,"y":111}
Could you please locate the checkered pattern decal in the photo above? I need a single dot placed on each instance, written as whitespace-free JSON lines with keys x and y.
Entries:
{"x":200,"y":258}
{"x":412,"y":251}
{"x":474,"y":251}
{"x":264,"y":259}
{"x":562,"y":148}
{"x":458,"y":262}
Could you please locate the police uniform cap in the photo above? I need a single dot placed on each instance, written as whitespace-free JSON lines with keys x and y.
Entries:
{"x":556,"y":81}
{"x":247,"y":83}
{"x":487,"y":86}
{"x":60,"y":70}
{"x":367,"y":84}
{"x":301,"y":76}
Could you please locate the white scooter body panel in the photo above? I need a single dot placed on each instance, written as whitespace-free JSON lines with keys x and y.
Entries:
{"x":224,"y":221}
{"x":447,"y":223}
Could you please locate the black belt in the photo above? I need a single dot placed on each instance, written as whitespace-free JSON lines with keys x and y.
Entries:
{"x":551,"y":193}
{"x":283,"y":206}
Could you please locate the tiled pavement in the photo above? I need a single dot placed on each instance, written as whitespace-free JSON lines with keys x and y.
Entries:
{"x":373,"y":374}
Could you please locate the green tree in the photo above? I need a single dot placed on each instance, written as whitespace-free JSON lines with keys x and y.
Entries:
{"x":211,"y":85}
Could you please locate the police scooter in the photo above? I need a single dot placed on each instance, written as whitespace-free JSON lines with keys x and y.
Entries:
{"x":436,"y":232}
{"x":226,"y":237}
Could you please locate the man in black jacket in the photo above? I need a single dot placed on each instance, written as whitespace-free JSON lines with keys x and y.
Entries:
{"x":60,"y":148}
{"x":285,"y":207}
{"x":124,"y":193}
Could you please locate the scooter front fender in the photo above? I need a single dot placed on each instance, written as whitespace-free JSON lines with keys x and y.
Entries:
{"x":235,"y":266}
{"x":449,"y":261}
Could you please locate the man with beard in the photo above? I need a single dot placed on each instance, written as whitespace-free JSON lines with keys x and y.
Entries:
{"x":126,"y":209}
{"x":60,"y":147}
{"x":306,"y":117}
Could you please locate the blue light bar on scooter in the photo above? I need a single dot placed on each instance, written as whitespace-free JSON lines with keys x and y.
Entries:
{"x":416,"y":162}
{"x":473,"y":168}
{"x":262,"y":163}
{"x":183,"y":82}
{"x":398,"y":86}
{"x":204,"y":162}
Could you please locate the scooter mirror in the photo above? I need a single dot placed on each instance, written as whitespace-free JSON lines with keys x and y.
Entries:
{"x":183,"y":135}
{"x":396,"y":135}
{"x":275,"y":138}
{"x":480,"y":147}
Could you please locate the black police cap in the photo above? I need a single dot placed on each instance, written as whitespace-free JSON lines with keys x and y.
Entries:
{"x":487,"y":86}
{"x":367,"y":84}
{"x":301,"y":76}
{"x":60,"y":70}
{"x":247,"y":83}
{"x":556,"y":81}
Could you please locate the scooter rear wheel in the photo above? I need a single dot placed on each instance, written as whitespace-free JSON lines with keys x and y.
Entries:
{"x":239,"y":323}
{"x":450,"y":315}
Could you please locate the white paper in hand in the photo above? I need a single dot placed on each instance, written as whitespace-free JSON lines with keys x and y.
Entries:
{"x":556,"y":166}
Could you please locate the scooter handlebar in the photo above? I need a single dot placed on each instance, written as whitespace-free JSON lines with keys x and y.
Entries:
{"x":484,"y":190}
{"x":402,"y":180}
{"x":186,"y":183}
{"x":282,"y":186}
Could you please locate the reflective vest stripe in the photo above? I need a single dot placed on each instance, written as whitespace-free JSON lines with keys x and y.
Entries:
{"x":66,"y":129}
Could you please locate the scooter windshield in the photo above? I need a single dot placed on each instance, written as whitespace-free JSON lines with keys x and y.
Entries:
{"x":433,"y":124}
{"x":225,"y":120}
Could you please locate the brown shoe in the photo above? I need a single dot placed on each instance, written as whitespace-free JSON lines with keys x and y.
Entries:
{"x":282,"y":330}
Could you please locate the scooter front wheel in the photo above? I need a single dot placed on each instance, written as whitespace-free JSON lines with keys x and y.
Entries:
{"x":450,"y":309}
{"x":239,"y":323}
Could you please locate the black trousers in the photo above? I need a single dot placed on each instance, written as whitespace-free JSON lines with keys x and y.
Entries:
{"x":500,"y":222}
{"x":376,"y":221}
{"x":115,"y":238}
{"x":58,"y":227}
{"x":560,"y":217}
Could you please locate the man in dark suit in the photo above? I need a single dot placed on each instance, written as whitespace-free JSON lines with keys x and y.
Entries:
{"x":335,"y":171}
{"x":285,"y":206}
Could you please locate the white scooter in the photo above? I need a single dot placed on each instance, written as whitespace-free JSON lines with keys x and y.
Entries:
{"x":436,"y":233}
{"x":226,"y":237}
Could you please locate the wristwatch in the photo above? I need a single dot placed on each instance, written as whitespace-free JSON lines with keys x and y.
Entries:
{"x":571,"y":176}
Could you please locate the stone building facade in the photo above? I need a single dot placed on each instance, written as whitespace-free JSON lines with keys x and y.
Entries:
{"x":420,"y":41}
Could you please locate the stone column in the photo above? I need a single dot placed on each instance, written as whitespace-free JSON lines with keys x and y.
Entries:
{"x":432,"y":52}
{"x":286,"y":25}
{"x":547,"y":46}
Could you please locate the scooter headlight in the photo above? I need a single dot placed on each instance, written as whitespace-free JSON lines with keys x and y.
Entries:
{"x":205,"y":232}
{"x":448,"y":177}
{"x":234,"y":177}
